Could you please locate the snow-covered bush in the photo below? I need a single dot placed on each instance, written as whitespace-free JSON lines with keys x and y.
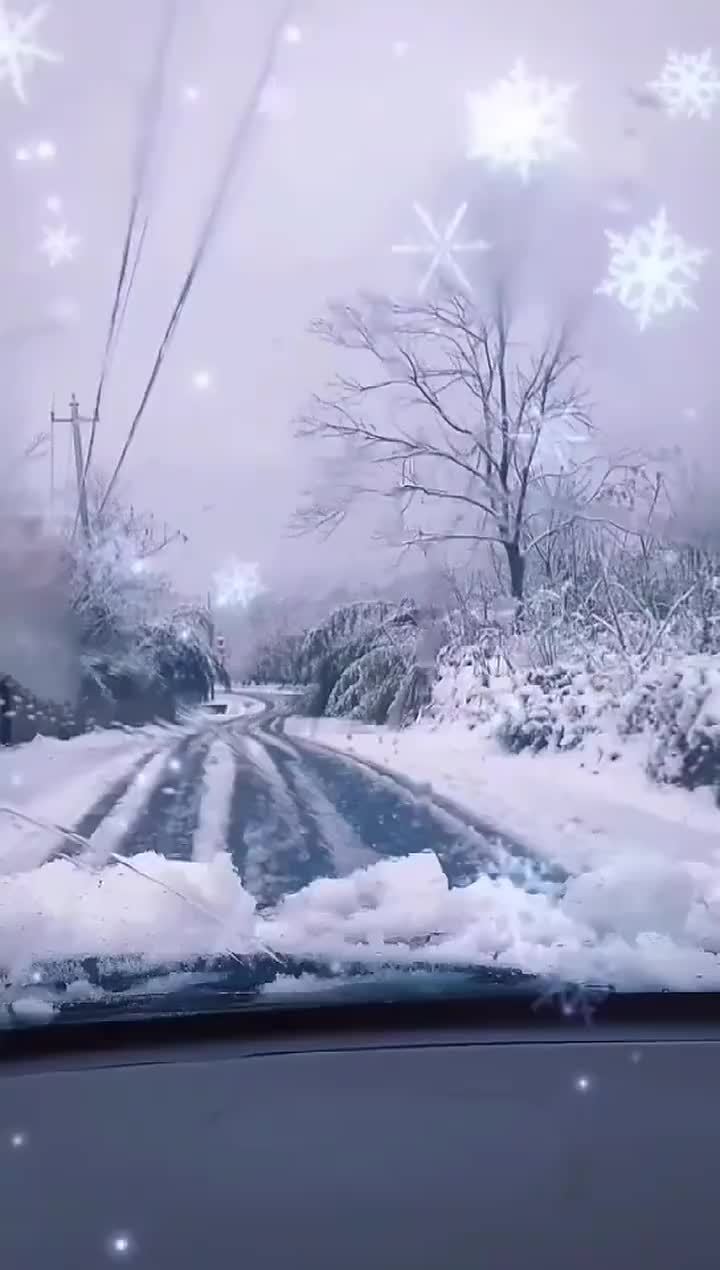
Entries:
{"x":550,"y":709}
{"x":168,"y":664}
{"x":359,"y":662}
{"x":368,"y":686}
{"x":678,"y":706}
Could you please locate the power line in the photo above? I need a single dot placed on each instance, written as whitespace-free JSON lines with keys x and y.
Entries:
{"x":237,"y":144}
{"x":147,"y":139}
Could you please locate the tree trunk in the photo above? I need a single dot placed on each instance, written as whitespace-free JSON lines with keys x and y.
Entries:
{"x":516,"y":565}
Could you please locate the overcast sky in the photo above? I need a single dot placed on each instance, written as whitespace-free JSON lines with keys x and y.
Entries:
{"x":367,"y":113}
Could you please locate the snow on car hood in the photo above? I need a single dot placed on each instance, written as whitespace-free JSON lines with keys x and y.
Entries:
{"x":651,"y":924}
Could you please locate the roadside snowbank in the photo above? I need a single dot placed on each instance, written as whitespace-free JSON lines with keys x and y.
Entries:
{"x":58,"y":781}
{"x":671,"y":706}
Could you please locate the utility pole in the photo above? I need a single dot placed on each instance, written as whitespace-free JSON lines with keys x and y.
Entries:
{"x":211,"y":617}
{"x":74,"y":419}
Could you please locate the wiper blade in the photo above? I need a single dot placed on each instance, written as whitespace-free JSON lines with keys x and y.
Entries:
{"x":92,"y":988}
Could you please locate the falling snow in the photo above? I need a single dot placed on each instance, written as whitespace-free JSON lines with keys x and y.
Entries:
{"x":651,"y":270}
{"x":120,"y":1244}
{"x":441,"y":247}
{"x":520,"y":122}
{"x":58,"y":244}
{"x":688,"y":85}
{"x":42,"y":151}
{"x":18,"y":50}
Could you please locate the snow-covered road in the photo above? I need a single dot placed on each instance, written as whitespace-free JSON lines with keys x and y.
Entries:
{"x":286,"y":812}
{"x":228,"y":834}
{"x":226,"y":809}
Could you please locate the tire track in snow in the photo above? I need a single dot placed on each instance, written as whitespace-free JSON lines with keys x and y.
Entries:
{"x":275,"y":846}
{"x":168,"y":821}
{"x":111,"y":832}
{"x":93,"y":818}
{"x":494,"y":852}
{"x":393,"y":822}
{"x":213,"y":822}
{"x":340,"y":840}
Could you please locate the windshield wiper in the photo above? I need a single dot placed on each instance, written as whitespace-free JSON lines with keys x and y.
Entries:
{"x":90,"y":989}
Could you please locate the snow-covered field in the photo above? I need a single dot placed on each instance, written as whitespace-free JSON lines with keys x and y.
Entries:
{"x":641,"y":907}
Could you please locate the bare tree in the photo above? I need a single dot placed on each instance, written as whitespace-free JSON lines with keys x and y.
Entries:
{"x":115,"y":519}
{"x":451,"y":421}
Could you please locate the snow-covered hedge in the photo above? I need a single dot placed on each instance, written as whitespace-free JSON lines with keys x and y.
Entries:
{"x":673,"y":704}
{"x":554,"y":708}
{"x":678,"y":705}
{"x":528,"y":707}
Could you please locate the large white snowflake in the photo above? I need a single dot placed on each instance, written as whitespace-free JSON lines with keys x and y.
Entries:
{"x":520,"y":122}
{"x":441,"y":247}
{"x":688,"y":85}
{"x":651,"y":270}
{"x":237,"y":584}
{"x":18,"y":50}
{"x":58,"y":244}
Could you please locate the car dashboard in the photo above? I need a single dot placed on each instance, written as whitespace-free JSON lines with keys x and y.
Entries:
{"x":354,"y":1138}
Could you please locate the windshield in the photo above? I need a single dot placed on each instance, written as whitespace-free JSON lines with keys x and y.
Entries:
{"x":360,"y":555}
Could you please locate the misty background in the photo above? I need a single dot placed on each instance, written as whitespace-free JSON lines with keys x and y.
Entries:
{"x":366,"y":115}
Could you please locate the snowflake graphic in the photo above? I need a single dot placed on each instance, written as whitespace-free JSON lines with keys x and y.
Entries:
{"x":18,"y":50}
{"x":651,"y":270}
{"x":237,"y":584}
{"x":58,"y":245}
{"x":688,"y":85}
{"x":520,"y":122}
{"x":441,"y":248}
